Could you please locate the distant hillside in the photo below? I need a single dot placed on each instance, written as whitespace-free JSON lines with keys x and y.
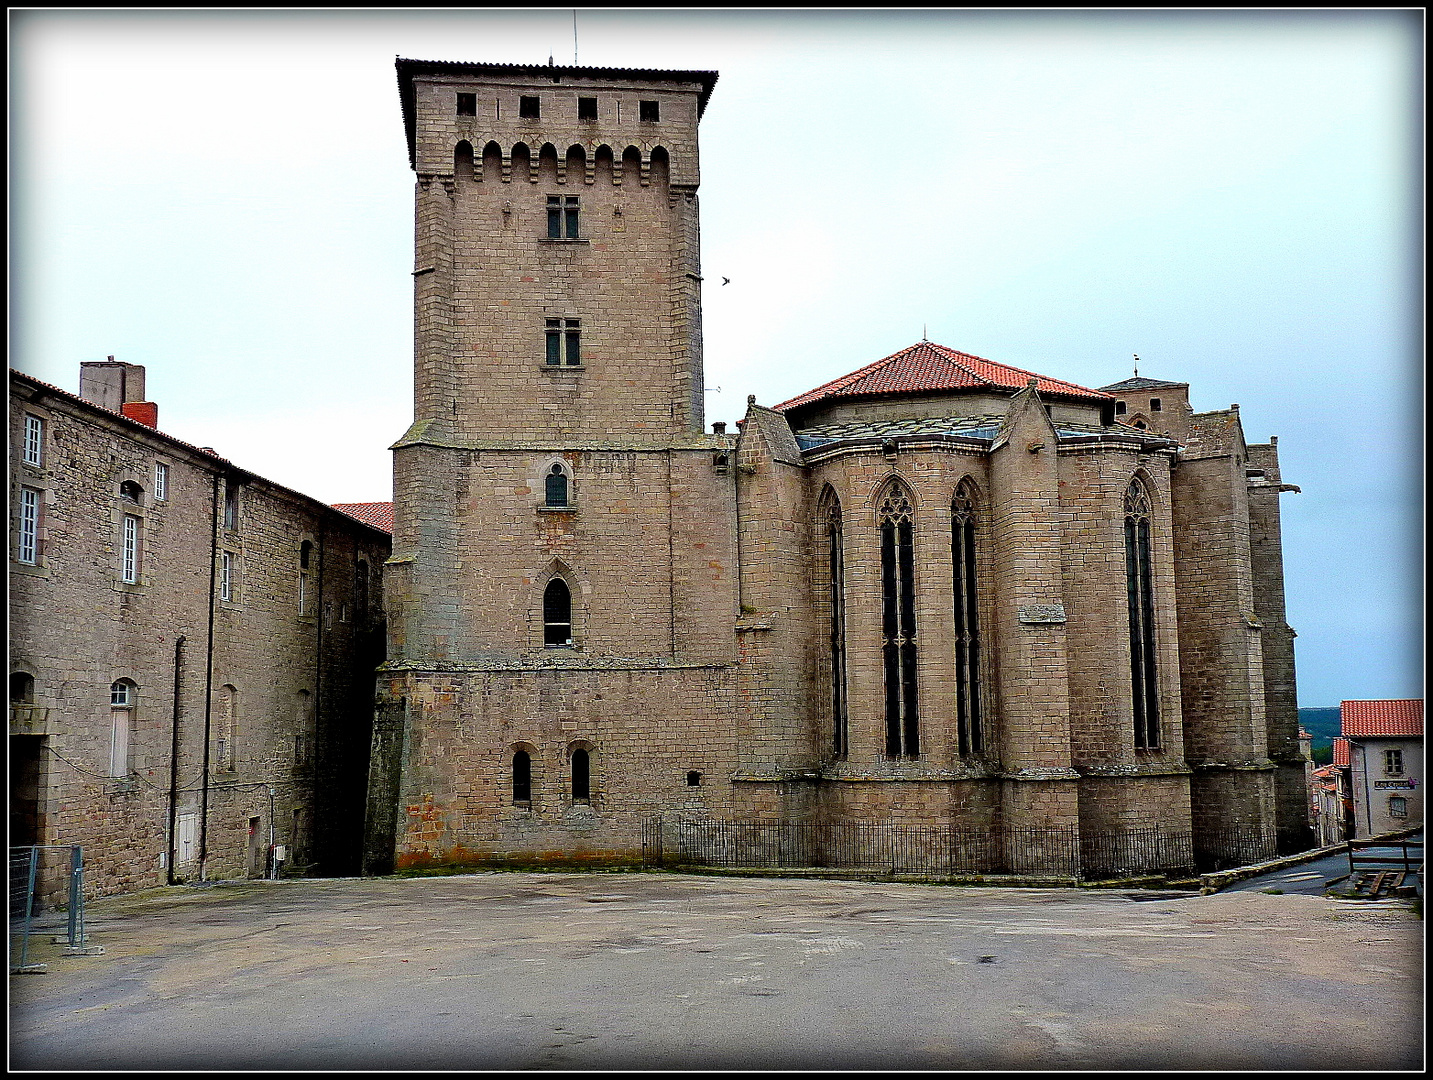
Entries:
{"x":1322,"y":724}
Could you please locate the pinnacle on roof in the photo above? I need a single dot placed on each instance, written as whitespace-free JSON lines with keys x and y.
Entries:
{"x":926,"y":367}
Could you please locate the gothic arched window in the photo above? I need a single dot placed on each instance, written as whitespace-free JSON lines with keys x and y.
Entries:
{"x":557,"y":487}
{"x":837,"y":582}
{"x":898,"y":621}
{"x":1139,"y":590}
{"x":967,"y":623}
{"x":557,"y":614}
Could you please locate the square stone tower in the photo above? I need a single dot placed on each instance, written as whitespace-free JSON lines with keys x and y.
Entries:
{"x":560,"y":517}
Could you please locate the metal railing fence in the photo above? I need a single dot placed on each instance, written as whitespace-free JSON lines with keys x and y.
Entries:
{"x":32,"y":871}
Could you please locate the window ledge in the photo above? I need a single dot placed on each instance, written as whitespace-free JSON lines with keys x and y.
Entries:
{"x":570,"y":508}
{"x":564,"y":240}
{"x":553,"y":369}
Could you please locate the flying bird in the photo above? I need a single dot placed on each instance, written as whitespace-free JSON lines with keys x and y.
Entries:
{"x":726,"y":281}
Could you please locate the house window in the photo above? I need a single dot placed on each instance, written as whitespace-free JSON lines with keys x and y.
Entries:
{"x":967,"y":622}
{"x":161,"y":481}
{"x":226,"y":576}
{"x":528,"y":108}
{"x":1397,"y":806}
{"x":231,"y":505}
{"x":122,"y":700}
{"x":1139,"y":593}
{"x":1155,"y":404}
{"x":649,"y":110}
{"x":1393,"y":763}
{"x":29,"y":538}
{"x":898,"y":622}
{"x":563,"y":343}
{"x":836,"y":561}
{"x":34,"y":440}
{"x":581,"y":790}
{"x":557,"y":487}
{"x":521,"y":777}
{"x":556,"y":614}
{"x":129,"y":558}
{"x":467,"y":104}
{"x":587,"y":108}
{"x":562,"y":212}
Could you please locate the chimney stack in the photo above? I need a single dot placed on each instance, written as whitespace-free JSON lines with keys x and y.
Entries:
{"x":118,"y":387}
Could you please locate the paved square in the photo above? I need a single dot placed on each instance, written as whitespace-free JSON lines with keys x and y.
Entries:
{"x":517,"y":970}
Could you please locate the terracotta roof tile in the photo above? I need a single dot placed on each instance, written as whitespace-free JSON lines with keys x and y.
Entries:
{"x":1387,"y":717}
{"x":927,"y":367}
{"x":377,"y":514}
{"x":1340,"y":752}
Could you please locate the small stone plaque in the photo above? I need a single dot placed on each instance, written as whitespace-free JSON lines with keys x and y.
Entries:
{"x":1042,"y":614}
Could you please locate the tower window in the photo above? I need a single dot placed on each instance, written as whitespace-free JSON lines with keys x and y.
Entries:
{"x":1144,"y":682}
{"x":587,"y":108}
{"x":521,"y":777}
{"x":161,"y":481}
{"x":967,"y":624}
{"x":528,"y":108}
{"x":1155,"y":404}
{"x":898,"y":623}
{"x":564,"y":343}
{"x":121,"y":704}
{"x":129,"y":557}
{"x":1120,"y":408}
{"x":557,"y":487}
{"x":648,"y":110}
{"x":562,"y":211}
{"x":467,"y":104}
{"x":556,"y":614}
{"x":694,"y":779}
{"x":226,"y":576}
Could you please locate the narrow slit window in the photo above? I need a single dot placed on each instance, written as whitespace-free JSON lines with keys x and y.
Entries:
{"x":521,"y":777}
{"x":898,"y":623}
{"x":837,"y":571}
{"x":556,"y":614}
{"x":1144,"y":682}
{"x":129,"y":558}
{"x":231,"y":505}
{"x":969,"y":737}
{"x":581,"y":788}
{"x":226,"y":576}
{"x":161,"y":481}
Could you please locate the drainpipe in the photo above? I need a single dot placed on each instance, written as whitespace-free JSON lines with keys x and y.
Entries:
{"x":209,"y":679}
{"x":174,"y":755}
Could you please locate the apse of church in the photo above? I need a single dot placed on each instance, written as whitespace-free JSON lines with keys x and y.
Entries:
{"x":939,"y":591}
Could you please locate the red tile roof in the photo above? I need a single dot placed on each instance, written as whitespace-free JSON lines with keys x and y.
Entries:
{"x":1390,"y":716}
{"x":379,"y":515}
{"x":927,"y":367}
{"x":1340,"y":752}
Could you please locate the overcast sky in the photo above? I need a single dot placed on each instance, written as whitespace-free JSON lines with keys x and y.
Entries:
{"x":226,"y":200}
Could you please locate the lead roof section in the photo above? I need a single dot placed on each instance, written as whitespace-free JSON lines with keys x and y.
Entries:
{"x":926,"y":367}
{"x":1141,"y":383}
{"x":408,"y":70}
{"x":983,"y":428}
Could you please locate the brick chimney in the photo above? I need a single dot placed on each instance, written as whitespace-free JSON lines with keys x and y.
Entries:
{"x":118,"y":387}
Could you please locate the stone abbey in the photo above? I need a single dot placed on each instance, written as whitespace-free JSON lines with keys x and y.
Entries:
{"x":940,"y":591}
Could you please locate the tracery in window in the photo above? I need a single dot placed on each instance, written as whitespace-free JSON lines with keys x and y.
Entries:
{"x":969,"y":736}
{"x":1140,"y":596}
{"x":898,"y":621}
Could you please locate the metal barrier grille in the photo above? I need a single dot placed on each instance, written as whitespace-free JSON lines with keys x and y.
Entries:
{"x":34,"y":873}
